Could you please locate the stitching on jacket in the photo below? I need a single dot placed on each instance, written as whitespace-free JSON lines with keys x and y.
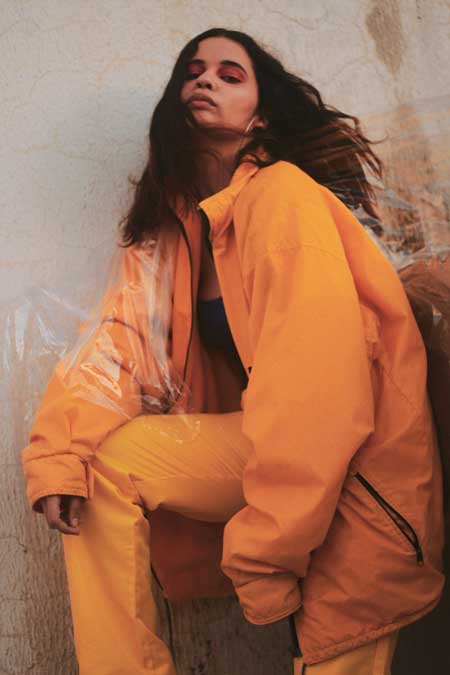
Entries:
{"x":263,"y":620}
{"x":67,"y":486}
{"x":286,"y":249}
{"x":67,"y":491}
{"x":397,"y":387}
{"x":382,"y":627}
{"x":52,"y":455}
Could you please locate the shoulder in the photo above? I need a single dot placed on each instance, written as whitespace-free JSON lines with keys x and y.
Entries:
{"x":282,"y":207}
{"x":279,"y":181}
{"x":287,"y":172}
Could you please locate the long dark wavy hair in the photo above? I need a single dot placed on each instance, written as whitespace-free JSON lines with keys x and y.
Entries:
{"x":321,"y":140}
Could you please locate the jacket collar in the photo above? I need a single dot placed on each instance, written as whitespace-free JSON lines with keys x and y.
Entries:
{"x":219,"y":206}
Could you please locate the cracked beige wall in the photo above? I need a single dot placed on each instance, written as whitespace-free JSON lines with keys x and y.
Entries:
{"x":78,"y":83}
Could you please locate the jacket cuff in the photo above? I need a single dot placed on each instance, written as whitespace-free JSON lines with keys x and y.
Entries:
{"x":270,"y":598}
{"x":64,"y":474}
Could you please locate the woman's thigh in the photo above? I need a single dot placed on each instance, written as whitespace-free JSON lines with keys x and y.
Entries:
{"x":191,"y":464}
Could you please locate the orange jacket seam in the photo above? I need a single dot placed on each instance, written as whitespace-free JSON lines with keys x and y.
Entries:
{"x":399,"y":390}
{"x":277,"y":617}
{"x":286,"y":249}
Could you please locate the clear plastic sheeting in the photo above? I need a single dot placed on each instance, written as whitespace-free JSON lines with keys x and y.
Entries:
{"x":120,"y":360}
{"x":414,"y":199}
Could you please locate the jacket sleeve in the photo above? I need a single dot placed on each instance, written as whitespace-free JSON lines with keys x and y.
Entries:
{"x":308,"y":407}
{"x":102,"y":383}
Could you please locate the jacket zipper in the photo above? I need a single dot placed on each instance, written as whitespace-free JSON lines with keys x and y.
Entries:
{"x":410,"y":534}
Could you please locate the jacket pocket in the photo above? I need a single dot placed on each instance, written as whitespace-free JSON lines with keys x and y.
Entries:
{"x":403,"y":526}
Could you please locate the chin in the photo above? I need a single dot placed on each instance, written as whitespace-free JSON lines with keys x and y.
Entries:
{"x":202,"y":111}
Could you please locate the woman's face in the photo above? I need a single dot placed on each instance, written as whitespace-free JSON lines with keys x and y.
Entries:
{"x":222,"y":72}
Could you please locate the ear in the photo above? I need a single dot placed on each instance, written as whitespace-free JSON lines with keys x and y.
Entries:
{"x":260,"y":122}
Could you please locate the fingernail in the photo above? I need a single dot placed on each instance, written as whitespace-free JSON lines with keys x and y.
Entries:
{"x":75,"y":522}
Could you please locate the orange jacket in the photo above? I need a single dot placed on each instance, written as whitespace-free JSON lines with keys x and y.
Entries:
{"x":344,"y":497}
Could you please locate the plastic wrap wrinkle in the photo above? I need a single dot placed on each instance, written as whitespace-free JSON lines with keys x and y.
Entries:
{"x":414,"y":203}
{"x":120,"y":361}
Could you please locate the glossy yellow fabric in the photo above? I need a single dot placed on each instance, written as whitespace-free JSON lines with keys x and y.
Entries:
{"x":191,"y":464}
{"x":373,"y":658}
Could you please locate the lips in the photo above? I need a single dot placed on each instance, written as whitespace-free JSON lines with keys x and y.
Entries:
{"x":200,"y":97}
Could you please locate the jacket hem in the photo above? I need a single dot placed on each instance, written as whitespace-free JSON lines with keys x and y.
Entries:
{"x":34,"y":499}
{"x":319,"y":655}
{"x":283,"y":615}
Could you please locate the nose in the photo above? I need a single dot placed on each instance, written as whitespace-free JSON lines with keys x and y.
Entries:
{"x":204,"y":81}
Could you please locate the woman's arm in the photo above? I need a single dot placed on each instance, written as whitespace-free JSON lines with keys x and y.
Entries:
{"x":102,"y":382}
{"x":307,"y":409}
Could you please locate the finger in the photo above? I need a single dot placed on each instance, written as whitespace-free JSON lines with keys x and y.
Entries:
{"x":75,"y":506}
{"x":64,"y":528}
{"x":51,"y":506}
{"x":53,"y":515}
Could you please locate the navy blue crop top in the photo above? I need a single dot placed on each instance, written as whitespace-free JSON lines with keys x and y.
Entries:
{"x":215,"y":332}
{"x":213,"y":324}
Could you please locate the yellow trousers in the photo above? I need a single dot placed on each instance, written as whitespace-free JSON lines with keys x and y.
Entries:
{"x":373,"y":658}
{"x":191,"y":464}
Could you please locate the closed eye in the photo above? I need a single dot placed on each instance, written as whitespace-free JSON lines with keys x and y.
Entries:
{"x":227,"y":78}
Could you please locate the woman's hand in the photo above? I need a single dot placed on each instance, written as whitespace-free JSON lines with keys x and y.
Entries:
{"x":63,"y":512}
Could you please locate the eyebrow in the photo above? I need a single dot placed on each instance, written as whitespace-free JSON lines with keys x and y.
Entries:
{"x":225,"y":62}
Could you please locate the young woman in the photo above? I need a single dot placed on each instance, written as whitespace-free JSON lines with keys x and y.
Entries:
{"x":251,"y":305}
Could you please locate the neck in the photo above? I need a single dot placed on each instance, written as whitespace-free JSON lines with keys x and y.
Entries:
{"x":215,"y":173}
